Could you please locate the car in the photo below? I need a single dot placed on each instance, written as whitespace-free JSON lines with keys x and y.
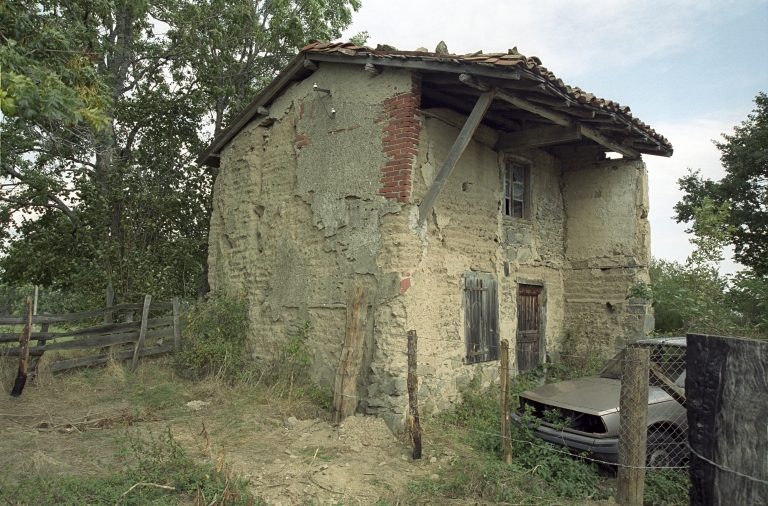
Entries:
{"x":583,"y":414}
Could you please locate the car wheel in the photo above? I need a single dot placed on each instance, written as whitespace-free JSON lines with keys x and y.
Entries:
{"x":662,"y":449}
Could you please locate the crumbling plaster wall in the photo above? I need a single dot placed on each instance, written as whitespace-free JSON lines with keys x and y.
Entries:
{"x":608,"y":250}
{"x":466,"y":232}
{"x":297,"y":216}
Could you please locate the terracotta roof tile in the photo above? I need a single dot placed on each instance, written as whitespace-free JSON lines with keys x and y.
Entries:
{"x":532,"y":64}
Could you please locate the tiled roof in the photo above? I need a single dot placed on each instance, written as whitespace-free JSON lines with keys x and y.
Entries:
{"x":529,"y":67}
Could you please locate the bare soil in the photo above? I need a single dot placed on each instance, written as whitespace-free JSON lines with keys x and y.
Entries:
{"x":77,"y":423}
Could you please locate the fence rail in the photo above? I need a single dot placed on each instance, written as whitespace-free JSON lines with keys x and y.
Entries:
{"x":97,"y":337}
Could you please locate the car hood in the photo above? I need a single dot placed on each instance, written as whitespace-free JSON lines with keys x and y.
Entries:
{"x":594,"y":395}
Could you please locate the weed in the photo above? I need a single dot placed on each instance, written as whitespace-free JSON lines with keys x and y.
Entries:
{"x":173,"y":476}
{"x":214,"y":339}
{"x":666,"y":487}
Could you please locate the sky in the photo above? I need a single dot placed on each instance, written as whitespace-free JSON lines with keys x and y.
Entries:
{"x":690,"y":69}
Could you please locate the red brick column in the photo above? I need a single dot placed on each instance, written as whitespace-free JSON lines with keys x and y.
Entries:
{"x":401,"y":141}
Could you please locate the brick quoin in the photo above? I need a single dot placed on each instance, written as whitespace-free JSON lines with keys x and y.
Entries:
{"x":401,"y":143}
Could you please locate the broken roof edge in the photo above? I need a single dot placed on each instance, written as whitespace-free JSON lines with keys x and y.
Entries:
{"x":514,"y":67}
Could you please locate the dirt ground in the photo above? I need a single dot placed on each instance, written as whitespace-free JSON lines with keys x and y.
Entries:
{"x":78,"y":423}
{"x":290,"y":453}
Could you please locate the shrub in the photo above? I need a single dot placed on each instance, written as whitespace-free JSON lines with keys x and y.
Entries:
{"x":214,"y":339}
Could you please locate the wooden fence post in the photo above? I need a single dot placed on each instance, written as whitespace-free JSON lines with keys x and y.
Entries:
{"x":109,"y":317}
{"x":505,"y":435}
{"x":727,"y":389}
{"x":413,"y":398}
{"x":633,"y":427}
{"x":345,"y":388}
{"x":21,"y":376}
{"x":176,"y":328}
{"x":142,"y":333}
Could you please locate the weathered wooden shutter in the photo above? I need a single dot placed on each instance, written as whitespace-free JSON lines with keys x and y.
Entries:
{"x":481,"y":317}
{"x":528,"y":327}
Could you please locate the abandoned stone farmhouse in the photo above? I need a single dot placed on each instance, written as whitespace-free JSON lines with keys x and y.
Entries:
{"x":471,"y":196}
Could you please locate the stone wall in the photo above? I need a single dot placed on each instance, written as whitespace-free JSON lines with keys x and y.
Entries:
{"x":608,"y":250}
{"x":308,"y":203}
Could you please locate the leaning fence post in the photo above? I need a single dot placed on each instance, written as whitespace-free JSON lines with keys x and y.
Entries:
{"x":176,"y":329}
{"x":505,"y":436}
{"x":142,"y":333}
{"x":21,"y":376}
{"x":633,"y":426}
{"x":413,"y":398}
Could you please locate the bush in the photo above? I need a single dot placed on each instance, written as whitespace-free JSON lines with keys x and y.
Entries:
{"x":214,"y":339}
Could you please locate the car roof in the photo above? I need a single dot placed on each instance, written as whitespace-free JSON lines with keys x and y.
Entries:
{"x":670,"y":341}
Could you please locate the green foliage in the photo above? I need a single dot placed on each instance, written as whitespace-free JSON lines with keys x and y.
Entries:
{"x":360,"y":38}
{"x":157,"y":460}
{"x":479,"y":413}
{"x":741,"y":191}
{"x":104,"y":120}
{"x":214,"y":339}
{"x":666,"y":487}
{"x":640,"y":290}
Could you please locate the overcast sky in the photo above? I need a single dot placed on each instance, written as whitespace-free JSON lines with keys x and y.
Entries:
{"x":690,"y":69}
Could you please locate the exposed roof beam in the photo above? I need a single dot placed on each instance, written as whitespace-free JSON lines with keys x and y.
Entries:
{"x":458,"y":148}
{"x":466,"y":108}
{"x":538,"y":137}
{"x":434,"y":66}
{"x":557,"y":118}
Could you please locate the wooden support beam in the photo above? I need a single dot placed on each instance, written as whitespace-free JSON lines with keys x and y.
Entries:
{"x":506,"y":442}
{"x":466,"y":108}
{"x":351,"y":360}
{"x":557,"y":118}
{"x":414,"y":425}
{"x":673,"y":390}
{"x":458,"y":148}
{"x":538,"y":137}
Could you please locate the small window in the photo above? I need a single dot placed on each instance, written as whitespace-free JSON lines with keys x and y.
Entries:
{"x":516,"y":184}
{"x":481,"y":317}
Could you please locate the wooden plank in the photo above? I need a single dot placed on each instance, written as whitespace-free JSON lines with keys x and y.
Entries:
{"x":633,"y":425}
{"x":21,"y":375}
{"x":557,"y":118}
{"x":726,"y":387}
{"x":458,"y":148}
{"x":142,"y":332}
{"x":464,"y":108}
{"x":98,"y":330}
{"x":428,"y":66}
{"x":670,"y":388}
{"x":414,"y":424}
{"x":104,"y":357}
{"x":176,"y":327}
{"x":92,"y":342}
{"x":40,"y":319}
{"x":538,"y":137}
{"x":506,"y":442}
{"x":345,"y":387}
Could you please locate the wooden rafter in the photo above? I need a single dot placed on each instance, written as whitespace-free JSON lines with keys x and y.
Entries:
{"x":557,"y":118}
{"x":538,"y":137}
{"x":456,"y":150}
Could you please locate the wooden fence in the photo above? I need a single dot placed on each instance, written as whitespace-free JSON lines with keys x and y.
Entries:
{"x":99,"y":337}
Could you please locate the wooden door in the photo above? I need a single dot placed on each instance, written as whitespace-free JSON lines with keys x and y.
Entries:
{"x":528,"y":327}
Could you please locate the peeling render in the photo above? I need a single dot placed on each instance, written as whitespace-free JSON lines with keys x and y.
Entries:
{"x":308,"y":204}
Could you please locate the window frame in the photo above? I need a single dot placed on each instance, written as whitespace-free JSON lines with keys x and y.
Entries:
{"x":508,"y":197}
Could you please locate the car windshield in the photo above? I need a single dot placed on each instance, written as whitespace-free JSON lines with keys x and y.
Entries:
{"x":671,"y":360}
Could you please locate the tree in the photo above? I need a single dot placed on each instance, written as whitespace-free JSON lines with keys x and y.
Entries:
{"x":742,"y":191}
{"x":106,"y":188}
